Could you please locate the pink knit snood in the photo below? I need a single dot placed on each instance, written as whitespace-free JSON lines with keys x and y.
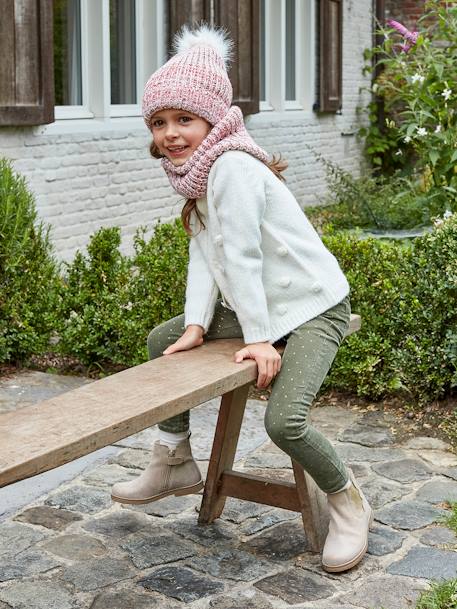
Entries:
{"x":190,"y":179}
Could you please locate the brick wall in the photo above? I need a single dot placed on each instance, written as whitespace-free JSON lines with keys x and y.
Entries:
{"x":88,"y":174}
{"x":405,"y":11}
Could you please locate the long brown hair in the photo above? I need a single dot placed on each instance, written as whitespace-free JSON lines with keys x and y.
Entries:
{"x":277,"y":166}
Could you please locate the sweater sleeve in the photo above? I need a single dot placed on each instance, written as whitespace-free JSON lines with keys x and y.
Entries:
{"x":201,"y":289}
{"x":239,"y":200}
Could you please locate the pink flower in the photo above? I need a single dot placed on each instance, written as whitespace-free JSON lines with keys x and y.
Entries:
{"x":411,"y":37}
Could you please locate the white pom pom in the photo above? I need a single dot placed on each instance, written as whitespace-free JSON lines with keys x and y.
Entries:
{"x":218,"y":38}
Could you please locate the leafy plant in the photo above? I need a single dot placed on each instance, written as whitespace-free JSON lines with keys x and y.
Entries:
{"x":418,"y":89}
{"x":28,"y":272}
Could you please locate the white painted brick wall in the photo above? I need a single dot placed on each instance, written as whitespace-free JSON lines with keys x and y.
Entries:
{"x":103,"y":174}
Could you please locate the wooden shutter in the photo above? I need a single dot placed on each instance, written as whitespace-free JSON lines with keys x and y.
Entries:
{"x":330,"y":55}
{"x":241,"y":18}
{"x":26,"y":68}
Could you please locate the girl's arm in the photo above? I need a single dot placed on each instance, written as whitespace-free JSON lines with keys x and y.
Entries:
{"x":201,"y":289}
{"x":240,"y":202}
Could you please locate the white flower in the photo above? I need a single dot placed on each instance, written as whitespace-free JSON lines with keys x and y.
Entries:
{"x":438,"y":129}
{"x":447,"y":214}
{"x":399,"y":153}
{"x":437,"y":222}
{"x":128,"y":306}
{"x":407,"y":139}
{"x":417,"y":77}
{"x":421,"y":131}
{"x":375,"y":87}
{"x":447,"y":93}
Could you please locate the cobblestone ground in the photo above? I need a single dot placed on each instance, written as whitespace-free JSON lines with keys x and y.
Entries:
{"x":72,"y":548}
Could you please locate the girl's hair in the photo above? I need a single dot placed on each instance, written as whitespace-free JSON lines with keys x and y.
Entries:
{"x":277,"y":165}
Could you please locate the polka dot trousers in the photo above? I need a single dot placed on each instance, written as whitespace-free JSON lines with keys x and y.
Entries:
{"x":309,"y":352}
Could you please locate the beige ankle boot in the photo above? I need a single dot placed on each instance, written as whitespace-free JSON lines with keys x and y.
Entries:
{"x":171,"y":472}
{"x":350,"y":519}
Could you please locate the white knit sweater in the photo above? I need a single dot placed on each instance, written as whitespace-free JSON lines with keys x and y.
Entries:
{"x":260,"y":251}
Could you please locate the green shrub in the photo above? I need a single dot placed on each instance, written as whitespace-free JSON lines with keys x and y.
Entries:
{"x":406,"y":295}
{"x":375,"y":201}
{"x":418,"y":88}
{"x":28,"y":272}
{"x":110,"y":302}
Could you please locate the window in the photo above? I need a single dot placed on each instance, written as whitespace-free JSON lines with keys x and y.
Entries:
{"x":104,"y":52}
{"x":67,"y":53}
{"x":287,"y":54}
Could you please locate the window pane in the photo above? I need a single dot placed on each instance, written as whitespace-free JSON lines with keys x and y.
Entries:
{"x":262,"y":51}
{"x":67,"y":53}
{"x":290,"y":49}
{"x":122,"y":49}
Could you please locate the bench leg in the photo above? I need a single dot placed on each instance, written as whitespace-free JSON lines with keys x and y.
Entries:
{"x":223,"y":452}
{"x":313,"y":508}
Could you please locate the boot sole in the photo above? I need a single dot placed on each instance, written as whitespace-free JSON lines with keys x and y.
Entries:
{"x":355,"y":560}
{"x":184,"y":490}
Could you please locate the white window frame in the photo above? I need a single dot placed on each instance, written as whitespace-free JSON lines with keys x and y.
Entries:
{"x":275,"y":57}
{"x":96,"y":76}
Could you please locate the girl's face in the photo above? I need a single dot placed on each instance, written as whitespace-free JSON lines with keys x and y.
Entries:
{"x":177,"y":133}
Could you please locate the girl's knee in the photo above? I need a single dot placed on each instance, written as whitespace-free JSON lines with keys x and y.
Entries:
{"x":282,"y":429}
{"x":275,"y":427}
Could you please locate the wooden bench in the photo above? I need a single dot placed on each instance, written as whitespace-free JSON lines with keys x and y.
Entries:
{"x":53,"y":432}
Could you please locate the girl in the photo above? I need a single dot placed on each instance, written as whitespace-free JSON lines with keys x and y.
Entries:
{"x":251,"y":241}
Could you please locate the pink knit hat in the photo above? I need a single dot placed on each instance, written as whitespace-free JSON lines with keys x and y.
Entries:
{"x":195,"y":78}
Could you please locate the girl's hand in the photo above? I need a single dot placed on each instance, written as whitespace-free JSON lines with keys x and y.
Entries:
{"x":192,"y":337}
{"x":267,"y":358}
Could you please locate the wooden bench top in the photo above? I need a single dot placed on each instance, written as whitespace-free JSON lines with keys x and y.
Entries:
{"x":55,"y":431}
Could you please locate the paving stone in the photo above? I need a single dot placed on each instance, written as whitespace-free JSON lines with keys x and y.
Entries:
{"x":359,"y":434}
{"x":36,"y":594}
{"x":388,"y":592}
{"x":280,"y":543}
{"x":15,"y":538}
{"x":380,"y":491}
{"x":238,"y":511}
{"x":28,"y":562}
{"x":268,"y":519}
{"x":217,"y":533}
{"x":75,"y":547}
{"x":167,"y":506}
{"x":360,"y":470}
{"x":49,"y":517}
{"x":230,"y":564}
{"x":440,"y":458}
{"x":450,"y":472}
{"x":438,"y":491}
{"x":84,"y":499}
{"x":382,"y":540}
{"x":125,"y":599}
{"x":97,"y":573}
{"x":439,"y":536}
{"x":403,"y":470}
{"x":203,"y":423}
{"x":296,"y":586}
{"x":150,"y":548}
{"x":409,"y":515}
{"x":355,"y":452}
{"x":29,"y":387}
{"x":284,"y":475}
{"x":426,"y":443}
{"x":117,"y":525}
{"x":108,"y":474}
{"x":181,"y":583}
{"x":429,"y":563}
{"x":331,"y":419}
{"x":269,"y":460}
{"x":240,"y":602}
{"x":132,"y":457}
